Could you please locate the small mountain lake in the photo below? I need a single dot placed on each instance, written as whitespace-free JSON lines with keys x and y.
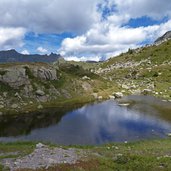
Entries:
{"x":133,"y":118}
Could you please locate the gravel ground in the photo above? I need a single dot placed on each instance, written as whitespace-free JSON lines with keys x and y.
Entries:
{"x":44,"y":157}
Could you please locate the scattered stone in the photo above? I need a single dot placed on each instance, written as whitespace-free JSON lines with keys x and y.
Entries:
{"x":95,"y":95}
{"x":112,"y":97}
{"x":44,"y":157}
{"x":136,"y":92}
{"x":5,"y":94}
{"x":125,"y":87}
{"x":86,"y":86}
{"x":40,"y":93}
{"x":2,"y":106}
{"x":100,"y":98}
{"x":1,"y":113}
{"x":40,"y":107}
{"x":85,"y":78}
{"x":40,"y":145}
{"x":14,"y":106}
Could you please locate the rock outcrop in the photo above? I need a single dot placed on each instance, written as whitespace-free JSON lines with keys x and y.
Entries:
{"x":17,"y":76}
{"x":14,"y":76}
{"x":44,"y":73}
{"x":163,"y":38}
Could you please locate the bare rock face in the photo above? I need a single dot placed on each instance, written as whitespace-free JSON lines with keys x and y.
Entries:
{"x":163,"y":38}
{"x":44,"y":73}
{"x":14,"y":76}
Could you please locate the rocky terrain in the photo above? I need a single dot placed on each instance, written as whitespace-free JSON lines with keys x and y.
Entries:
{"x":146,"y":70}
{"x":32,"y":87}
{"x":144,"y":155}
{"x":165,"y":37}
{"x":28,"y":86}
{"x":44,"y":157}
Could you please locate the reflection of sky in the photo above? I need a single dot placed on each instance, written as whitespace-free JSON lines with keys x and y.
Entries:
{"x":101,"y":123}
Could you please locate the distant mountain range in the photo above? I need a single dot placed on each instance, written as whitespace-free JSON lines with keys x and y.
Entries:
{"x":13,"y":56}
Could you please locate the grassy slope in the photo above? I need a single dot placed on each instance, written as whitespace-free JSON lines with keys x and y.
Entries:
{"x":155,"y":69}
{"x":152,"y":155}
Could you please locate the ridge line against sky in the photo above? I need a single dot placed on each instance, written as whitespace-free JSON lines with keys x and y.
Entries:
{"x":82,"y":29}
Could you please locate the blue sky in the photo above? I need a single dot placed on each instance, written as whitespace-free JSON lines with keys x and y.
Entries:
{"x":82,"y":29}
{"x":50,"y":42}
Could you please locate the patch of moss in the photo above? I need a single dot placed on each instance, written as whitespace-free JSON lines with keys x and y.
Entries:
{"x":3,"y":73}
{"x":29,"y":73}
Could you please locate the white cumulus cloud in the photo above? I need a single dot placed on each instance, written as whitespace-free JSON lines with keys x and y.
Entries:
{"x":25,"y":52}
{"x":108,"y":40}
{"x":44,"y":16}
{"x":99,"y":25}
{"x":11,"y":37}
{"x":42,"y":50}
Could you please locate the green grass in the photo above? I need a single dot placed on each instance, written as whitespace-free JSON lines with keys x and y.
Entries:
{"x":149,"y":155}
{"x":22,"y":147}
{"x":152,"y":155}
{"x":157,"y":55}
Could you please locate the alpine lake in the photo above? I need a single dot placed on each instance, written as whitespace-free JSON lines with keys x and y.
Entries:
{"x":132,"y":118}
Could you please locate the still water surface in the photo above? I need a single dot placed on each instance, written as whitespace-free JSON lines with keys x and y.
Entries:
{"x":145,"y":118}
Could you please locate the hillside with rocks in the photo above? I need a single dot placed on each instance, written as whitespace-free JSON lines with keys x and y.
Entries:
{"x":163,"y":38}
{"x":145,"y":70}
{"x":25,"y":87}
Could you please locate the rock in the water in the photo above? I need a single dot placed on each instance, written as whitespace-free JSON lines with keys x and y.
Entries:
{"x":146,"y":91}
{"x":169,"y":134}
{"x":118,"y":95}
{"x":124,"y":104}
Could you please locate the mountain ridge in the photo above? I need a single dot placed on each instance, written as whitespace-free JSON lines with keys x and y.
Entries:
{"x":163,"y":38}
{"x":14,"y":56}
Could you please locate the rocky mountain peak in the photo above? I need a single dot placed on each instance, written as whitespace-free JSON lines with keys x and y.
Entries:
{"x":163,"y":38}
